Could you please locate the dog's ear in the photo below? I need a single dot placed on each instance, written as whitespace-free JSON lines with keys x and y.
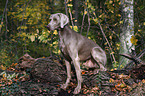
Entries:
{"x":63,"y":20}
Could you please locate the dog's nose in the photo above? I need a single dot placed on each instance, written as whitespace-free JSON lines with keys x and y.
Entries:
{"x":48,"y":27}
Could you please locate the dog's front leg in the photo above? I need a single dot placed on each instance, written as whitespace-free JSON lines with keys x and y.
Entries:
{"x":68,"y":67}
{"x":78,"y":73}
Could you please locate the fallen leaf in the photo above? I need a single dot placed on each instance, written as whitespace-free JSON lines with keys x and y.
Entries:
{"x":85,"y":91}
{"x":143,"y":81}
{"x":95,"y":88}
{"x":122,"y":85}
{"x":40,"y":90}
{"x":3,"y":67}
{"x":112,"y":70}
{"x":111,"y":80}
{"x":69,"y":91}
{"x":83,"y":72}
{"x":10,"y":82}
{"x":58,"y":85}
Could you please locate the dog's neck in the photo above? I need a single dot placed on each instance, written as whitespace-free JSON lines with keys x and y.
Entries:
{"x":65,"y":27}
{"x":64,"y":31}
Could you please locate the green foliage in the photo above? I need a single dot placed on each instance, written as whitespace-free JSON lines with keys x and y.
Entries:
{"x":7,"y":54}
{"x":4,"y":57}
{"x":116,"y":66}
{"x":9,"y":83}
{"x":23,"y":26}
{"x":133,"y":40}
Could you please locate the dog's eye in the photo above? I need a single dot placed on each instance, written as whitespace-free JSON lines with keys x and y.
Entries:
{"x":54,"y":19}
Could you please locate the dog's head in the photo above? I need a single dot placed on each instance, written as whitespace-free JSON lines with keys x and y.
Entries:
{"x":58,"y":20}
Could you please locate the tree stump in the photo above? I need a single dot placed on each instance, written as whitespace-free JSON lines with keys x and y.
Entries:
{"x":46,"y":70}
{"x":43,"y":69}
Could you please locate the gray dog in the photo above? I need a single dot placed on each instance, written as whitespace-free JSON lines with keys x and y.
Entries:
{"x":76,"y":48}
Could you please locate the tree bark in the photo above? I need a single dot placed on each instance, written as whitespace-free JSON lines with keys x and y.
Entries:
{"x":76,"y":15}
{"x":127,"y":29}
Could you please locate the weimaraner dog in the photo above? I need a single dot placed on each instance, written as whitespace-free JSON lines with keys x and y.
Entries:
{"x":76,"y":48}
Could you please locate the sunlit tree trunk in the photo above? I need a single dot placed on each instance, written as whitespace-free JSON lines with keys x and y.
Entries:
{"x":127,"y":29}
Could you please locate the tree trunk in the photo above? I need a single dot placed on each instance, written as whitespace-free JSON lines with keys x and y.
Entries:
{"x":76,"y":15}
{"x":127,"y":29}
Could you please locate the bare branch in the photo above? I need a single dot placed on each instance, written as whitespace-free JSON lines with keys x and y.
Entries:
{"x":66,"y":7}
{"x":71,"y":18}
{"x":3,"y":14}
{"x":88,"y":22}
{"x":105,"y":38}
{"x":83,"y":22}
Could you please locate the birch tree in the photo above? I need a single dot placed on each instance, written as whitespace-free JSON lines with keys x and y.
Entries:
{"x":127,"y":29}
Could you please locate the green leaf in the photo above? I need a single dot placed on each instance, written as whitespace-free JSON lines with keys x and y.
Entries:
{"x":75,"y":28}
{"x":133,"y":40}
{"x":85,"y":12}
{"x":55,"y":32}
{"x":32,"y":37}
{"x":69,"y":5}
{"x":95,"y":20}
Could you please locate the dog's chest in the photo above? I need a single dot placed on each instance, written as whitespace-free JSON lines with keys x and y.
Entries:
{"x":61,"y":44}
{"x":64,"y":48}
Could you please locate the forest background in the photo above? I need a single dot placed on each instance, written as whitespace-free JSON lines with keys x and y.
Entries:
{"x":23,"y":27}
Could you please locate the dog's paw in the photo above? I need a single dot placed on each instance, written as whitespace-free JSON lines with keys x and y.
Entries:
{"x":96,"y":71}
{"x":103,"y":69}
{"x":77,"y":90}
{"x":64,"y":86}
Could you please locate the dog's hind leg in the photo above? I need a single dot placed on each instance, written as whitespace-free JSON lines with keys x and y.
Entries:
{"x":100,"y":57}
{"x":68,"y":67}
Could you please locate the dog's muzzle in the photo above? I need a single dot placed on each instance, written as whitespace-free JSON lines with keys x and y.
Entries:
{"x":48,"y":27}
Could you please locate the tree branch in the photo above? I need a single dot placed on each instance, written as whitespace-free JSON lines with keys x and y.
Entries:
{"x":83,"y":22}
{"x":66,"y":7}
{"x":106,"y":39}
{"x":88,"y":23}
{"x":3,"y":15}
{"x":71,"y":18}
